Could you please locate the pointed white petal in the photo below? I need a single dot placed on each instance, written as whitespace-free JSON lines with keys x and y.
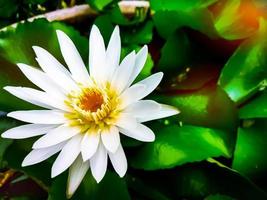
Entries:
{"x":165,"y":111}
{"x":141,"y":132}
{"x":67,"y":156}
{"x":122,"y":73}
{"x":54,"y":69}
{"x":97,"y":54}
{"x":89,"y":145}
{"x":131,"y":95}
{"x":151,"y":83}
{"x":143,"y":108}
{"x":113,"y":52}
{"x":30,"y":95}
{"x":26,"y":131}
{"x":37,"y":97}
{"x":39,"y":116}
{"x":55,"y":136}
{"x":119,"y":161}
{"x":39,"y":155}
{"x":111,"y":138}
{"x":72,"y":58}
{"x":126,"y":120}
{"x":140,"y":61}
{"x":41,"y":80}
{"x":99,"y":163}
{"x":76,"y":173}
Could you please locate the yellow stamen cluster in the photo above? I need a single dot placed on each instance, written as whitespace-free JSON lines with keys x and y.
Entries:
{"x":93,"y":107}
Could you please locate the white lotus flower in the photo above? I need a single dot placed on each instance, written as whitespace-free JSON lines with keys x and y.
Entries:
{"x":84,"y":114}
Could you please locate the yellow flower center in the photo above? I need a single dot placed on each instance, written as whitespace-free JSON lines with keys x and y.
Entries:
{"x":93,"y":107}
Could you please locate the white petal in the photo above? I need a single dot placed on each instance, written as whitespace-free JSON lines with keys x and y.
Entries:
{"x":113,"y":52}
{"x":143,"y":108}
{"x":165,"y":111}
{"x":122,"y":73}
{"x":72,"y":58}
{"x":39,"y":116}
{"x":26,"y":131}
{"x":76,"y":173}
{"x":126,"y":120}
{"x":30,"y":95}
{"x":41,"y":80}
{"x":97,"y":54}
{"x":141,"y":132}
{"x":99,"y":163}
{"x":55,"y":136}
{"x":119,"y":161}
{"x":39,"y":155}
{"x":54,"y":69}
{"x":67,"y":156}
{"x":89,"y":145}
{"x":37,"y":97}
{"x":140,"y":61}
{"x":131,"y":95}
{"x":151,"y":83}
{"x":111,"y":138}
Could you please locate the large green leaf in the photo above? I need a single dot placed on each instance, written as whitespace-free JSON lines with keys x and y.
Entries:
{"x":199,"y":19}
{"x":200,"y":107}
{"x":256,"y":108}
{"x":16,"y":42}
{"x":234,"y":22}
{"x":246,"y":71}
{"x":141,"y":34}
{"x":250,"y":153}
{"x":193,"y":14}
{"x":175,"y":53}
{"x":175,"y":145}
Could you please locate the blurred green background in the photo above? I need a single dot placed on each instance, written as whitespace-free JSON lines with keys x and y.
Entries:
{"x":214,"y":57}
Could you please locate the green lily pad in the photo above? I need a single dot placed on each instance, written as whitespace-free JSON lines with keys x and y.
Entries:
{"x":250,"y":153}
{"x":256,"y":108}
{"x":173,"y":147}
{"x":199,"y":108}
{"x":138,"y":35}
{"x":193,"y":14}
{"x":245,"y":72}
{"x":175,"y":53}
{"x":199,"y":19}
